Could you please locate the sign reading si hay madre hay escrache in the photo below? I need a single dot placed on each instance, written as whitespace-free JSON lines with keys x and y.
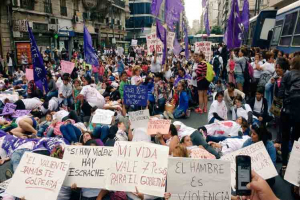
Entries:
{"x":140,"y":165}
{"x":139,"y":119}
{"x":261,"y":162}
{"x":135,"y":95}
{"x":198,"y":179}
{"x":88,"y":165}
{"x":38,"y":177}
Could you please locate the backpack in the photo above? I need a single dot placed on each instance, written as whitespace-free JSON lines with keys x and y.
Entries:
{"x":248,"y":72}
{"x":209,"y":73}
{"x":216,"y":62}
{"x":264,"y":79}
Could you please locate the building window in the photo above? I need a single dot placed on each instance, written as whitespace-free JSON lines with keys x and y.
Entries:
{"x":139,"y":22}
{"x":63,"y":8}
{"x":27,"y":4}
{"x":76,"y":5}
{"x":140,"y":8}
{"x":48,"y":6}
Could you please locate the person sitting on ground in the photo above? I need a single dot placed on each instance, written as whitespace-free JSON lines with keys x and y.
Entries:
{"x":26,"y":127}
{"x":171,"y":139}
{"x":230,"y":94}
{"x":243,"y":110}
{"x":218,"y":109}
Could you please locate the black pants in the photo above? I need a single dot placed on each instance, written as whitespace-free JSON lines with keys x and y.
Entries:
{"x":72,"y":115}
{"x":86,"y":109}
{"x":20,"y":105}
{"x":287,"y":136}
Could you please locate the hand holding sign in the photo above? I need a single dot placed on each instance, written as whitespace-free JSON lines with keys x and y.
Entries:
{"x":135,"y":95}
{"x":161,"y":126}
{"x":292,"y":173}
{"x":9,"y":109}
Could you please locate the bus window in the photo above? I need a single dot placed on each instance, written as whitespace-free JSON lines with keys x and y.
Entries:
{"x":290,"y":21}
{"x":296,"y":39}
{"x":276,"y":34}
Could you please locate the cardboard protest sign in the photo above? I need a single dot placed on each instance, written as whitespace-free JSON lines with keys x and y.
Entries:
{"x":154,"y":44}
{"x":88,"y":165}
{"x":261,"y":162}
{"x":139,"y":164}
{"x":205,"y":47}
{"x":198,"y":179}
{"x":9,"y":108}
{"x":134,"y":43}
{"x":29,"y":74}
{"x":161,"y":126}
{"x":66,"y":66}
{"x":139,"y":119}
{"x":292,"y":173}
{"x":4,"y":184}
{"x":20,"y":113}
{"x":38,"y":177}
{"x":170,"y":40}
{"x":135,"y":95}
{"x":103,"y":116}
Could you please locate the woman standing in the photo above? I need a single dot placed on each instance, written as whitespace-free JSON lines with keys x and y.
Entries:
{"x":240,"y":67}
{"x":9,"y":63}
{"x":202,"y":82}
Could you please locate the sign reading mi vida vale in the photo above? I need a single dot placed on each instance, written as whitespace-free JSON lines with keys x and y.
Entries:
{"x":38,"y":177}
{"x":197,"y":179}
{"x":89,"y":165}
{"x":139,"y":165}
{"x":261,"y":162}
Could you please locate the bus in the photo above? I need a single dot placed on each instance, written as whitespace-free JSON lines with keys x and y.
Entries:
{"x":260,"y":30}
{"x":286,"y":32}
{"x":215,"y":39}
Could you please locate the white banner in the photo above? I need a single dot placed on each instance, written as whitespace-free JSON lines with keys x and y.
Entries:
{"x":170,"y":40}
{"x":261,"y":162}
{"x":139,"y":164}
{"x":198,"y":179}
{"x":154,"y":44}
{"x":139,"y":119}
{"x":38,"y":177}
{"x":103,"y":117}
{"x":89,"y":165}
{"x":205,"y":47}
{"x":292,"y":173}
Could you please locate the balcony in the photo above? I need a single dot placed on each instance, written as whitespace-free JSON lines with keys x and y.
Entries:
{"x":63,"y":11}
{"x":48,"y":7}
{"x":119,"y":3}
{"x":27,"y":4}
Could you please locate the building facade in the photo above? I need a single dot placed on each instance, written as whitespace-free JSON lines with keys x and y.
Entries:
{"x":59,"y":24}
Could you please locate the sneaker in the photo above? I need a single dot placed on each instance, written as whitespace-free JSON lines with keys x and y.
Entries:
{"x":197,"y":110}
{"x":200,"y":111}
{"x":171,"y":115}
{"x":165,"y":114}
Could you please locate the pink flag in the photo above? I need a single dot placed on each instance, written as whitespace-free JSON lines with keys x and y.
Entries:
{"x":29,"y":74}
{"x":67,"y":67}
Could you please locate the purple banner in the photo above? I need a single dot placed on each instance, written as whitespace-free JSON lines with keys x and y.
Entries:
{"x":9,"y":109}
{"x":206,"y":22}
{"x":50,"y":143}
{"x":186,"y":41}
{"x":155,"y":7}
{"x":173,"y":8}
{"x":245,"y":16}
{"x":20,"y":113}
{"x":177,"y":48}
{"x":89,"y":52}
{"x":161,"y":33}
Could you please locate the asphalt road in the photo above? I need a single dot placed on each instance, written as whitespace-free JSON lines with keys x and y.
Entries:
{"x":282,"y":189}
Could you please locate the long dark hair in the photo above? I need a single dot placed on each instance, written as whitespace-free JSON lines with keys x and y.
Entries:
{"x":262,"y":132}
{"x":173,"y":130}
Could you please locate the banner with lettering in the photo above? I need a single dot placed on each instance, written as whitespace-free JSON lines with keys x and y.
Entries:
{"x":205,"y":47}
{"x":135,"y":95}
{"x":261,"y":162}
{"x":38,"y":177}
{"x":89,"y":165}
{"x":20,"y":113}
{"x":139,"y":119}
{"x":103,"y":117}
{"x":161,"y":126}
{"x":9,"y":109}
{"x":198,"y":179}
{"x":154,"y":44}
{"x":292,"y":173}
{"x":140,"y":165}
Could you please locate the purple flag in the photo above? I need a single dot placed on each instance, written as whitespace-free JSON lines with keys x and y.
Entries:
{"x":206,"y":22}
{"x":155,"y":7}
{"x":245,"y":16}
{"x":39,"y":71}
{"x":203,"y":4}
{"x":233,"y":31}
{"x":177,"y":48}
{"x":161,"y":33}
{"x":89,"y":53}
{"x":173,"y":8}
{"x":186,"y":41}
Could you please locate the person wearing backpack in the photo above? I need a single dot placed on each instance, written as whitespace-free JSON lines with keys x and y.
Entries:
{"x":217,"y":65}
{"x":289,"y":92}
{"x":240,"y":68}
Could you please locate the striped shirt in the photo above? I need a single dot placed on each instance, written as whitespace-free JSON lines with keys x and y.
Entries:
{"x":201,"y":70}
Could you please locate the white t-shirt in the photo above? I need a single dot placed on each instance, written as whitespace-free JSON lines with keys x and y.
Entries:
{"x":268,"y":68}
{"x":19,"y":75}
{"x":241,"y":112}
{"x":233,"y":144}
{"x":183,"y":130}
{"x":258,"y":105}
{"x":59,"y":115}
{"x":256,"y":73}
{"x":219,"y":108}
{"x":168,"y":74}
{"x":3,"y":153}
{"x":93,"y":96}
{"x":135,"y":79}
{"x":155,"y":67}
{"x":33,"y":103}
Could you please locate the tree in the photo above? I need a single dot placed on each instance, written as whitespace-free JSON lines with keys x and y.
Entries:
{"x":216,"y":30}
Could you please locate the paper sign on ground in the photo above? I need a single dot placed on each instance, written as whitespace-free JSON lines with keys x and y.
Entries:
{"x":135,"y":95}
{"x":8,"y":109}
{"x":204,"y":47}
{"x":29,"y":74}
{"x":198,"y":179}
{"x":4,"y":184}
{"x":161,"y":126}
{"x":20,"y":113}
{"x":292,"y":173}
{"x":103,"y":117}
{"x":38,"y":177}
{"x":261,"y":162}
{"x":89,"y":165}
{"x":66,"y":66}
{"x":139,"y":119}
{"x":139,"y":164}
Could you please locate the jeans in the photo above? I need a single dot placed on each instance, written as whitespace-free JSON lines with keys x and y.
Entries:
{"x":96,"y":76}
{"x":42,"y":129}
{"x":16,"y":157}
{"x":52,"y":94}
{"x":70,"y":133}
{"x":101,"y":132}
{"x":217,"y":71}
{"x":178,"y":113}
{"x":68,"y":101}
{"x":269,"y":95}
